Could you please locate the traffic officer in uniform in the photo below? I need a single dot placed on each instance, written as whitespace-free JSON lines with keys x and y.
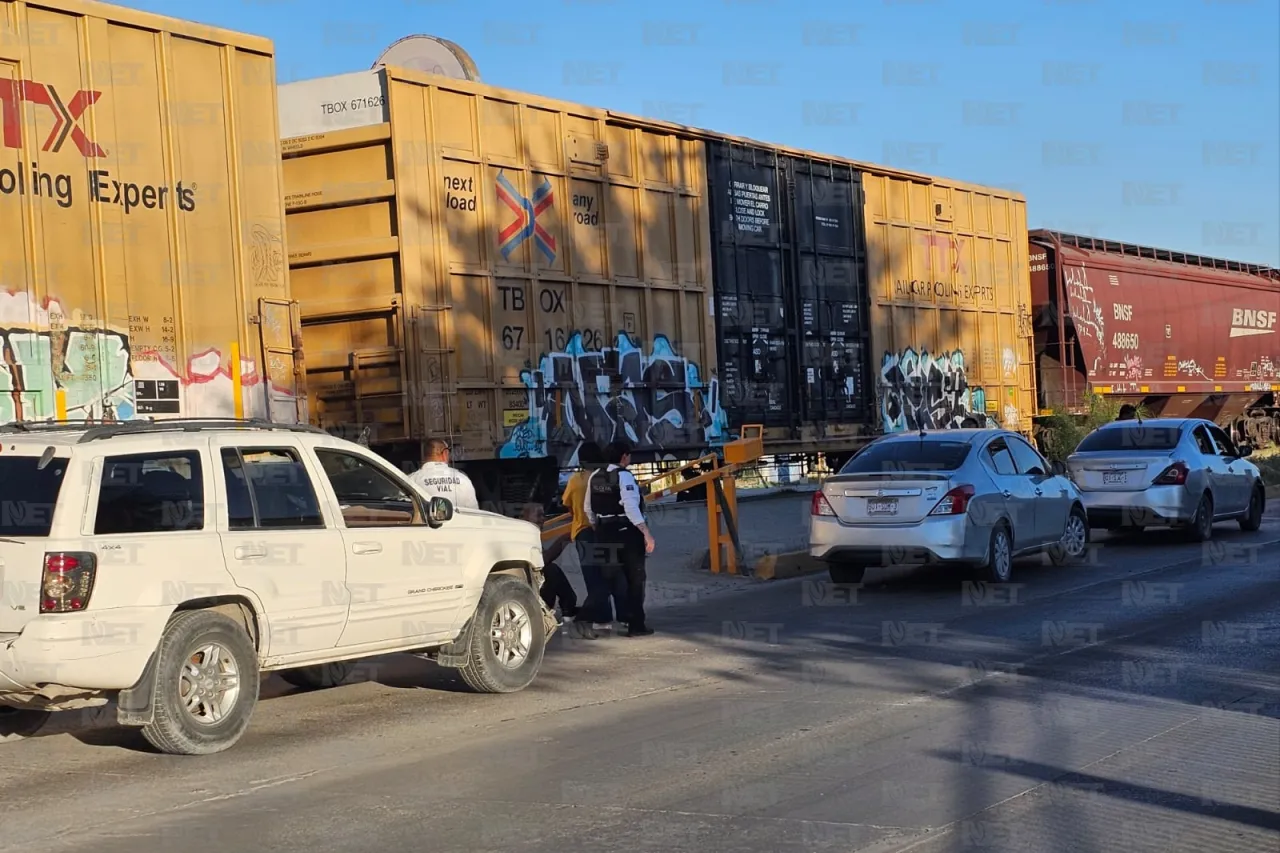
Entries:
{"x":437,"y":478}
{"x":614,"y":508}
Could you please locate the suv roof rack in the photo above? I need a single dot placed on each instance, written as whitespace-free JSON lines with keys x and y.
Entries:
{"x":94,"y":431}
{"x":23,"y":427}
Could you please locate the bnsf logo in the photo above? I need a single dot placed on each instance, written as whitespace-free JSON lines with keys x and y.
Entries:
{"x":1253,"y":319}
{"x":66,"y":115}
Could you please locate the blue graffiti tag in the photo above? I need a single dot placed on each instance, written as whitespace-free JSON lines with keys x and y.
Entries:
{"x":656,"y":401}
{"x":919,"y":391}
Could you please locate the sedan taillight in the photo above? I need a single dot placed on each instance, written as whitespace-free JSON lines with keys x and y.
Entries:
{"x":67,"y":582}
{"x":1174,"y":475}
{"x":821,"y":506}
{"x":954,"y":502}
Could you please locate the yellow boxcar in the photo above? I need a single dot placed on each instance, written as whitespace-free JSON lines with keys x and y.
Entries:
{"x":514,"y":274}
{"x":519,"y":275}
{"x":142,"y":273}
{"x":951,"y":304}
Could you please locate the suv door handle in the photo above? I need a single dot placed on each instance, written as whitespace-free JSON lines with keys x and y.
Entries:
{"x":1039,"y":492}
{"x":248,"y":552}
{"x":366,"y":548}
{"x":1008,"y":494}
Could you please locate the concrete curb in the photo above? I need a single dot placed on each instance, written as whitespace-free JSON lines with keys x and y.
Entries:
{"x":794,"y":564}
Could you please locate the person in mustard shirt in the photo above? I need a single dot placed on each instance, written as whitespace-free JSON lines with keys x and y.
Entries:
{"x":596,"y":613}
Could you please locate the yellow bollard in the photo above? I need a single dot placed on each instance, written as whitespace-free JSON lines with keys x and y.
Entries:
{"x":237,"y":381}
{"x":60,"y":404}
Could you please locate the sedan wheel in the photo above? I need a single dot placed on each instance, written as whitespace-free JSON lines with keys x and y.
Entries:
{"x":1075,"y":539}
{"x":1201,"y":527}
{"x":1253,"y":518}
{"x":999,"y":565}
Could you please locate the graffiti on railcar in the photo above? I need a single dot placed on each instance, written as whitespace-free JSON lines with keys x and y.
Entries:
{"x":923,"y":391}
{"x":91,"y":367}
{"x":102,"y":374}
{"x":1086,"y":313}
{"x":656,"y":400}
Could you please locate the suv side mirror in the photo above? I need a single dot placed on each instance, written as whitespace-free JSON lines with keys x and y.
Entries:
{"x":1059,"y":469}
{"x":439,"y":511}
{"x":1244,"y":450}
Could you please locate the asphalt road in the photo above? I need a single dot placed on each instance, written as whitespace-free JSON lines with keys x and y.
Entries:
{"x":1128,"y":704}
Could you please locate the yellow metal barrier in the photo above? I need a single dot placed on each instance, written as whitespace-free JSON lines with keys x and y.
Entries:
{"x":723,"y":541}
{"x":237,"y":381}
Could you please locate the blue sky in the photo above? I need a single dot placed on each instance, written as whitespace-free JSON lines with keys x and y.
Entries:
{"x":1149,"y":122}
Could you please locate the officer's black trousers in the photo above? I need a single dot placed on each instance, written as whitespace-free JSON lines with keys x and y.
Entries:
{"x":605,"y":579}
{"x":620,"y":549}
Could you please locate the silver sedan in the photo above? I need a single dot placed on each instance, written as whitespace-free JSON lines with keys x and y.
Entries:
{"x":1180,"y":472}
{"x":971,"y":497}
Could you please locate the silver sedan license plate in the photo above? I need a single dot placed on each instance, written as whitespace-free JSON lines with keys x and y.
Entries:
{"x":1114,"y":478}
{"x":888,"y":506}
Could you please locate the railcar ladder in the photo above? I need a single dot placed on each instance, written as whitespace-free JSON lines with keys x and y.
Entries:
{"x":435,"y":419}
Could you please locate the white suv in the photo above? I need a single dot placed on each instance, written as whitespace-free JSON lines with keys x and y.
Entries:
{"x":168,"y":564}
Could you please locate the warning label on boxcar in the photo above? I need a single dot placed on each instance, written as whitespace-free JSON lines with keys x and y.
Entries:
{"x":752,"y":204}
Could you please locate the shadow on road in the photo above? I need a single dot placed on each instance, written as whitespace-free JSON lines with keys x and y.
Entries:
{"x":929,"y":633}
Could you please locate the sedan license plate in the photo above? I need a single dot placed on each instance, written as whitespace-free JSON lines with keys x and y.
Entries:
{"x":1114,"y":478}
{"x":882,"y":507}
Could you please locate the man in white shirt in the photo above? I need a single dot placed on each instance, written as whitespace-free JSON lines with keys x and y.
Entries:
{"x":615,"y":509}
{"x":437,"y":478}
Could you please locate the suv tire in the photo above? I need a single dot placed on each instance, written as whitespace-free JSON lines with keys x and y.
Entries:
{"x":20,"y":723}
{"x":508,"y":663}
{"x":320,"y":677}
{"x":227,"y":675}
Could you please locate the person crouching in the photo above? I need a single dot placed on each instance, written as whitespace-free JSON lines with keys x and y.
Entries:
{"x":556,"y":588}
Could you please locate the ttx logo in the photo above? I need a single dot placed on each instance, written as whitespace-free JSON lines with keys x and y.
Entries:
{"x":66,"y":115}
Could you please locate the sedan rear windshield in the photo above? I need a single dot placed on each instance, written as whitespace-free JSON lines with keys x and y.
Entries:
{"x":28,"y":494}
{"x":888,"y":457}
{"x":1135,"y":437}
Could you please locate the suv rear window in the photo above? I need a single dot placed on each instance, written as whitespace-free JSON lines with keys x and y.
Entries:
{"x":28,"y":494}
{"x":1135,"y":437}
{"x":886,"y":457}
{"x":150,"y":493}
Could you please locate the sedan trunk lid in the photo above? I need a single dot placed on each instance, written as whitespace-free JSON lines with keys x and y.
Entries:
{"x":876,"y":498}
{"x":1117,"y":471}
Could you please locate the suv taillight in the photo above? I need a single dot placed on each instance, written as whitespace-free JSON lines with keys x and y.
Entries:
{"x":1174,"y":475}
{"x":821,"y":506}
{"x":67,"y":582}
{"x":954,"y":502}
